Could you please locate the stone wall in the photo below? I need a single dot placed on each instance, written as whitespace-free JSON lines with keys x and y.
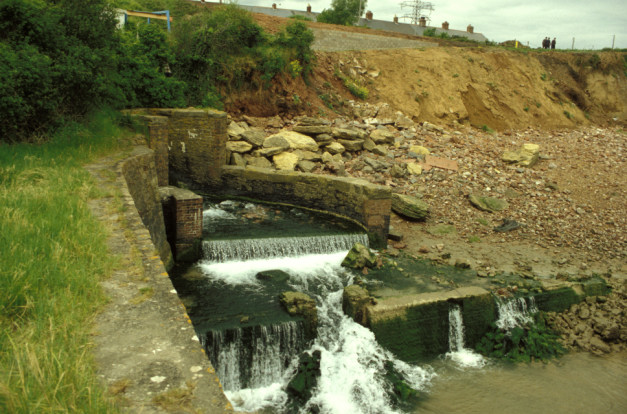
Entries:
{"x":335,"y":41}
{"x":196,"y":142}
{"x":140,"y":175}
{"x":359,"y":200}
{"x":183,"y":219}
{"x":196,"y":149}
{"x":158,"y":141}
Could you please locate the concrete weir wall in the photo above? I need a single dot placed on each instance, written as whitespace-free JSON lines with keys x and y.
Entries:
{"x":415,"y":327}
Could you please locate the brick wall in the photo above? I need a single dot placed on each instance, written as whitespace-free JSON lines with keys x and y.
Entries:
{"x":183,"y":217}
{"x":158,"y":142}
{"x":197,"y":143}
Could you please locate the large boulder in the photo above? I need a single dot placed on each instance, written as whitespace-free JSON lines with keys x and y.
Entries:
{"x":312,"y":129}
{"x":418,"y":151}
{"x":410,"y":207}
{"x":306,"y":166}
{"x":285,"y":161}
{"x":355,"y":299}
{"x":254,"y":136}
{"x":335,"y":148}
{"x":301,"y":304}
{"x":382,"y":136}
{"x":359,"y":256}
{"x":487,"y":203}
{"x":414,"y":168}
{"x":352,"y":145}
{"x":238,"y":146}
{"x":310,"y":121}
{"x":290,"y":140}
{"x":349,"y":133}
{"x":308,"y":155}
{"x":260,"y":162}
{"x":525,"y":156}
{"x":375,"y":164}
{"x":235,"y":130}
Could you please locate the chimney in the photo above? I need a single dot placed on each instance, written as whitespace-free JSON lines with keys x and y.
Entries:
{"x":422,"y":22}
{"x":445,"y":25}
{"x":470,"y":29}
{"x":369,"y":15}
{"x":395,"y":19}
{"x":309,"y":8}
{"x":274,"y":5}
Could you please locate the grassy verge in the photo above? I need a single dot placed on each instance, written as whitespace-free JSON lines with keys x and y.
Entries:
{"x":53,"y":254}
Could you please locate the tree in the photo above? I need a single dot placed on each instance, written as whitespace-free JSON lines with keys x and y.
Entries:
{"x":344,"y":12}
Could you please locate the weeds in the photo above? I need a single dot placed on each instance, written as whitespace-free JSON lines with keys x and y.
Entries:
{"x":487,"y":129}
{"x":522,"y":344}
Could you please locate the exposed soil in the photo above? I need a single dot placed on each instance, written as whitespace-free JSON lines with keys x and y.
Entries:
{"x":501,"y":89}
{"x":470,"y":105}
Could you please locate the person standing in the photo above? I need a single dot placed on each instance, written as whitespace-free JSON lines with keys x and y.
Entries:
{"x":553,"y":44}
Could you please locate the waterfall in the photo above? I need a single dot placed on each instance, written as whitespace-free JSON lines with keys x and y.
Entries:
{"x":253,"y":357}
{"x":460,"y":355}
{"x":256,"y":363}
{"x":277,"y":247}
{"x":515,"y":312}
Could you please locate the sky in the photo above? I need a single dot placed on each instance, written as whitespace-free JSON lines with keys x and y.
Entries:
{"x":592,"y":23}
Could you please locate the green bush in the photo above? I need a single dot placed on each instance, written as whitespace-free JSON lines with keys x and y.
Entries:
{"x":429,"y":32}
{"x":56,"y":62}
{"x":298,"y":38}
{"x":343,"y":12}
{"x":144,"y":57}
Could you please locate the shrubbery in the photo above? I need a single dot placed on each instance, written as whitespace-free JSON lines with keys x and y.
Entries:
{"x":55,"y":62}
{"x":61,"y":58}
{"x":343,"y":12}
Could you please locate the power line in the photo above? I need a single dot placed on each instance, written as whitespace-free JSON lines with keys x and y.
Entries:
{"x":418,"y":9}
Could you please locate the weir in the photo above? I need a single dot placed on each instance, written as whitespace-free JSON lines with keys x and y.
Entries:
{"x":255,"y":345}
{"x":256,"y":356}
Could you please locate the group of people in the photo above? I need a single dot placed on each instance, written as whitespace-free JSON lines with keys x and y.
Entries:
{"x":547,"y":43}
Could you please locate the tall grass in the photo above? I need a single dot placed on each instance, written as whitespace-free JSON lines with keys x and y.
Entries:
{"x":52,"y":255}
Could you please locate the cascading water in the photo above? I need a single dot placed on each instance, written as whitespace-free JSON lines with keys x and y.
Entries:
{"x":256,"y":363}
{"x":462,"y":356}
{"x":515,"y":312}
{"x":253,"y":357}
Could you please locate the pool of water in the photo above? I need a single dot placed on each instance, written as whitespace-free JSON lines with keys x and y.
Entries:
{"x":576,"y":383}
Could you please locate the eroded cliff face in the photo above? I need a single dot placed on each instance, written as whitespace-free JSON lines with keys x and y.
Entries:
{"x":483,"y":87}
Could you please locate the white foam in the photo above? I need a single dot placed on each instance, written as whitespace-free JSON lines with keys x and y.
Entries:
{"x":300,"y":267}
{"x":255,"y":399}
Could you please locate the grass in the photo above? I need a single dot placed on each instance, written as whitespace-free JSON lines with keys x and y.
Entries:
{"x":53,"y":256}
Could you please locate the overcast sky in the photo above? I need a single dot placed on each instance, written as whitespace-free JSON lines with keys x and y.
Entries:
{"x":592,"y":23}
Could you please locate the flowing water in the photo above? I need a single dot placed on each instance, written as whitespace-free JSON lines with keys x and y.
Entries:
{"x":458,"y":353}
{"x":255,"y":361}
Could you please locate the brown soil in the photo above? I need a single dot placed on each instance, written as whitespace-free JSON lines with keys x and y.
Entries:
{"x":479,"y":86}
